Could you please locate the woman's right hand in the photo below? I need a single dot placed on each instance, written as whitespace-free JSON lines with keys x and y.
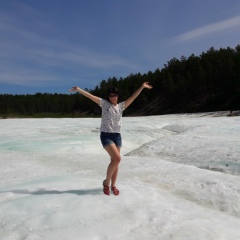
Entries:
{"x":73,"y":89}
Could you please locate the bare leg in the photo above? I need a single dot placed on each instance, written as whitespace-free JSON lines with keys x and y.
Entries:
{"x":115,"y":174}
{"x":112,"y":170}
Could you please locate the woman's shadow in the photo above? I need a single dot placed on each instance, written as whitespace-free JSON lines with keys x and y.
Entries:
{"x":92,"y":191}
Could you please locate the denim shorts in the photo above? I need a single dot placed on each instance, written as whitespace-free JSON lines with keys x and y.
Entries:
{"x":110,"y":138}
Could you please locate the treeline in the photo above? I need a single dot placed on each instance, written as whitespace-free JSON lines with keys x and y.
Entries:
{"x":209,"y":82}
{"x":43,"y":104}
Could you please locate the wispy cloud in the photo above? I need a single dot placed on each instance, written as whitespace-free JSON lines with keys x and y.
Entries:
{"x":76,"y":56}
{"x":209,"y":29}
{"x":25,"y":51}
{"x":24,"y":76}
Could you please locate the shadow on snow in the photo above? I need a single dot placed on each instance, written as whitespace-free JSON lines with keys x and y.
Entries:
{"x":45,"y":191}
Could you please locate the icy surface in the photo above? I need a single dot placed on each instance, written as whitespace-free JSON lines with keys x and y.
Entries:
{"x":179,"y":179}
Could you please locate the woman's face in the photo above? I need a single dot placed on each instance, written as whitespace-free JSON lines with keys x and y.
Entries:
{"x":113,"y":98}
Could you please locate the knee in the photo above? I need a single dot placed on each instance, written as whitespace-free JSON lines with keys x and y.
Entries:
{"x":117,"y":159}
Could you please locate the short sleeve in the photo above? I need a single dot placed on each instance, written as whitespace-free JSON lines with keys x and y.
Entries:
{"x":122,"y":106}
{"x":101,"y":104}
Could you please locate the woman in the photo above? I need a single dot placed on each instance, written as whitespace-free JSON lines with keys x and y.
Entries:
{"x":111,"y":130}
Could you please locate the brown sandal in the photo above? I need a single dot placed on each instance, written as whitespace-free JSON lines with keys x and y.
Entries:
{"x":115,"y":191}
{"x":106,"y":189}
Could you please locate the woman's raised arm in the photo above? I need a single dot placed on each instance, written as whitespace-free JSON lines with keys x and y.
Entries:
{"x":135,"y":94}
{"x":86,"y":94}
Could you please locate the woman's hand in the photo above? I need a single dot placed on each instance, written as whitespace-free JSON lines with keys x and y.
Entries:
{"x":146,"y":85}
{"x":73,"y":89}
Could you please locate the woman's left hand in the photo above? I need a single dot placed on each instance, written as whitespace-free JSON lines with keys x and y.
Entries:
{"x":147,"y":85}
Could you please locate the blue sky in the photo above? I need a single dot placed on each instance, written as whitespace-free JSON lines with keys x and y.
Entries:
{"x":50,"y":46}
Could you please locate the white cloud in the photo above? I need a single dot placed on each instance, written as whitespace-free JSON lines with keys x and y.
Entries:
{"x":209,"y":29}
{"x":31,"y":57}
{"x":24,"y":76}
